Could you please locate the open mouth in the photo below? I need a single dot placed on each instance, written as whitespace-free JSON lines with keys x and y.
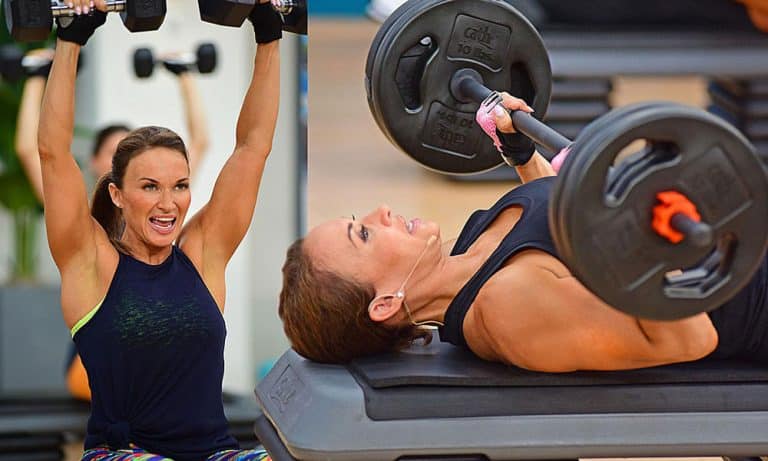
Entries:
{"x":162,"y":225}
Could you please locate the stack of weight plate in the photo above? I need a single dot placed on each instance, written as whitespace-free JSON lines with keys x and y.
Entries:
{"x":744,"y":103}
{"x":574,"y":104}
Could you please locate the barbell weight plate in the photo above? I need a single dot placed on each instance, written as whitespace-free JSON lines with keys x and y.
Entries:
{"x":409,"y":92}
{"x":596,"y":126}
{"x":392,"y":24}
{"x":603,"y":230}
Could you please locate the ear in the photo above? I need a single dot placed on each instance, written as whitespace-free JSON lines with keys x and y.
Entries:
{"x":384,"y":307}
{"x":115,"y":195}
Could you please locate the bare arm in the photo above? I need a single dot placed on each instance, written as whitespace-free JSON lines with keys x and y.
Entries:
{"x":197,"y":126}
{"x":537,"y":167}
{"x":557,"y":325}
{"x":26,"y":132}
{"x":222,"y":223}
{"x":67,"y":217}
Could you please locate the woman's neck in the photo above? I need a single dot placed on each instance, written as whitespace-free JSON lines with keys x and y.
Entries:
{"x":142,"y":252}
{"x":428,"y":298}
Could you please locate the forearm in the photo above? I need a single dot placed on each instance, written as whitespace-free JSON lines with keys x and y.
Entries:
{"x":57,"y":116}
{"x":197,"y":126}
{"x":690,"y":338}
{"x":26,"y":132}
{"x":537,"y":167}
{"x":258,"y":116}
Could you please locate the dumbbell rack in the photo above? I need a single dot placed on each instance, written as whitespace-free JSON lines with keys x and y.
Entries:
{"x":574,"y":104}
{"x":743,"y":103}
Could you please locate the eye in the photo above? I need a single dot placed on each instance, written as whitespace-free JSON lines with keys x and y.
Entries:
{"x":149,"y":187}
{"x":182,"y":186}
{"x":363,"y":233}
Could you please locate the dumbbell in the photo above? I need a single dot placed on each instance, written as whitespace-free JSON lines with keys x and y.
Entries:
{"x":204,"y":59}
{"x":233,"y":13}
{"x":15,"y":65}
{"x":32,"y":20}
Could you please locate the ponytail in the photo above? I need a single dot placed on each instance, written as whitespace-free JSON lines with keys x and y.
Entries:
{"x":106,"y":213}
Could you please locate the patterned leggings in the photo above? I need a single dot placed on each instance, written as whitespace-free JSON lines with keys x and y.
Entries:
{"x":137,"y":454}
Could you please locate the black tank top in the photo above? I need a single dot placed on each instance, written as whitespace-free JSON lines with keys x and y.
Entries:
{"x":742,"y":323}
{"x":154,"y":353}
{"x":530,"y":232}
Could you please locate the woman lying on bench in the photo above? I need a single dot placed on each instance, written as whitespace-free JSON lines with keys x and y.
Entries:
{"x":356,"y":287}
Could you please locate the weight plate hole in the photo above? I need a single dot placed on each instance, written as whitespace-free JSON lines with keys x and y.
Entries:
{"x":705,"y":277}
{"x":410,"y":71}
{"x":631,"y":166}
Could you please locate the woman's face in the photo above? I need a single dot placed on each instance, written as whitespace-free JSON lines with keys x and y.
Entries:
{"x":155,"y":197}
{"x":380,"y":248}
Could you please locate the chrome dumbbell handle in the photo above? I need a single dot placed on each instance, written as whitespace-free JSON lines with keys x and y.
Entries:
{"x":59,"y":9}
{"x":284,"y":6}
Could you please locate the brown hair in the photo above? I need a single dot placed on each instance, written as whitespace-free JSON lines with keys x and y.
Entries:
{"x":325,"y":316}
{"x":136,"y":142}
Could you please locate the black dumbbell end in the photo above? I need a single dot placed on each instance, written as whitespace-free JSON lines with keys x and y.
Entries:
{"x":144,"y":15}
{"x":698,"y":233}
{"x":230,"y":13}
{"x":206,"y":58}
{"x":143,"y":62}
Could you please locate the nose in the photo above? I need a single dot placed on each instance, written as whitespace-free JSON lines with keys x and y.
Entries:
{"x":382,"y":214}
{"x":166,"y":200}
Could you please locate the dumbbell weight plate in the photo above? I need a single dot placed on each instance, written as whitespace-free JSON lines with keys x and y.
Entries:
{"x":143,"y":62}
{"x":206,"y":58}
{"x":11,"y":58}
{"x":225,"y":12}
{"x":28,"y":20}
{"x":143,"y":15}
{"x":415,"y":108}
{"x":603,"y":231}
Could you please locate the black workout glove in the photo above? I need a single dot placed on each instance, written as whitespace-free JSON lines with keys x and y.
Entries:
{"x":80,"y":29}
{"x":40,"y":69}
{"x":517,"y":148}
{"x":176,"y":68}
{"x":267,"y":23}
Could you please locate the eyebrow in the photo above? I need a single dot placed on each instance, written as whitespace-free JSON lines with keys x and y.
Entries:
{"x":186,"y":178}
{"x":349,"y":233}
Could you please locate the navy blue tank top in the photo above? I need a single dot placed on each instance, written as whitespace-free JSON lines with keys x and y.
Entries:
{"x":741,"y":323}
{"x":154,"y":353}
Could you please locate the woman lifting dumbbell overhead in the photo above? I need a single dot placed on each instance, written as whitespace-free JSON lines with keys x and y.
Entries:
{"x":104,"y":146}
{"x":356,"y":287}
{"x":143,"y":293}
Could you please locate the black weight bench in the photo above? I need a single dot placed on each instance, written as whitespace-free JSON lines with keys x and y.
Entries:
{"x":34,"y":429}
{"x":441,"y":403}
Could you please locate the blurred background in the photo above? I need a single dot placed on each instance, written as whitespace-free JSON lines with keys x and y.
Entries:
{"x":34,"y":342}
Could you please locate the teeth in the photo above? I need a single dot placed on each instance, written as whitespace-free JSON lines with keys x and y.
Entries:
{"x":409,"y":226}
{"x":164,"y":219}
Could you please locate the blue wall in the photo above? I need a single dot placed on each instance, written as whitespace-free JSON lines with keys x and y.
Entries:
{"x":337,"y":7}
